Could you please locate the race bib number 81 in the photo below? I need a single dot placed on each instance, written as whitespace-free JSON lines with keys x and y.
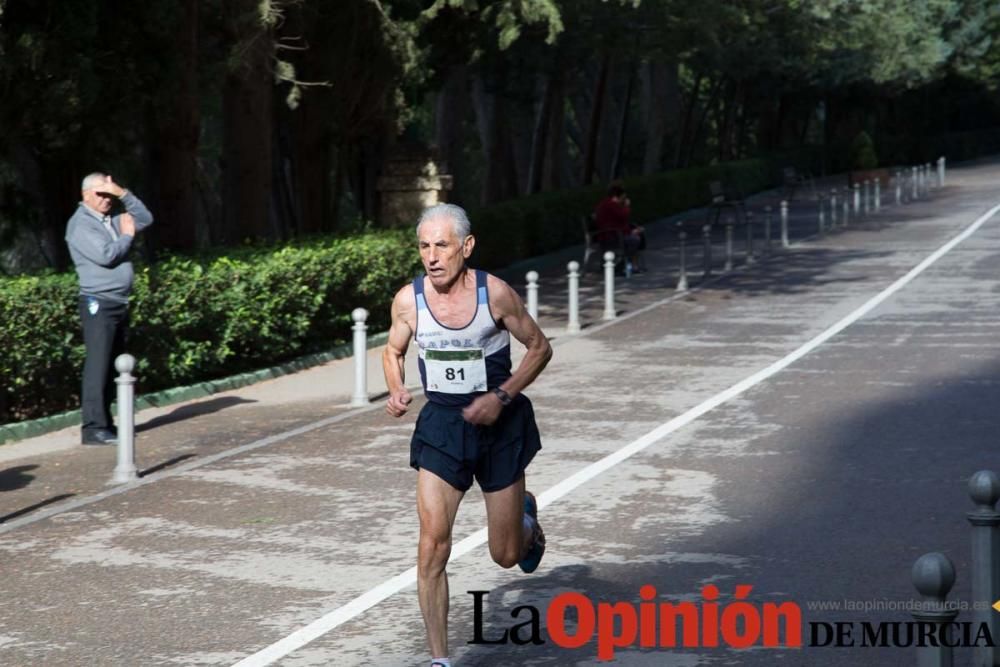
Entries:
{"x":455,"y":371}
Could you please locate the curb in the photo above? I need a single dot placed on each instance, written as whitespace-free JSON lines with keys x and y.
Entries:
{"x":43,"y":425}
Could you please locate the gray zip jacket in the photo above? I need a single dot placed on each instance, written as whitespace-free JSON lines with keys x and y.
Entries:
{"x":101,"y":261}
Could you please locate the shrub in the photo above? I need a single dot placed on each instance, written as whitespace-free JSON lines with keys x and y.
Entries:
{"x":863,"y":155}
{"x":198,"y":318}
{"x":534,"y":225}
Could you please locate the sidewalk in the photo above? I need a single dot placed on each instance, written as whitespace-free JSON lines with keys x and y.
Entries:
{"x":214,"y":558}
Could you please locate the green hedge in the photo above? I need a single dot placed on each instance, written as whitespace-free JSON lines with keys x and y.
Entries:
{"x":198,"y":318}
{"x":530,"y":226}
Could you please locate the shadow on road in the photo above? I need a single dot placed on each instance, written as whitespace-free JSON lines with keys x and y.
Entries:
{"x":192,"y":410}
{"x":16,"y":478}
{"x":31,"y":508}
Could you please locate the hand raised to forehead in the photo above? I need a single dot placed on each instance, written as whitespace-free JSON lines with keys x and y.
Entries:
{"x":109,"y":186}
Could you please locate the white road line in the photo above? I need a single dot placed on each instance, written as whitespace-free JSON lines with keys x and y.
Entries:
{"x":390,"y":587}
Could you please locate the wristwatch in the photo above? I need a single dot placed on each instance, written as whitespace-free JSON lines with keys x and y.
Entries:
{"x":502,"y":395}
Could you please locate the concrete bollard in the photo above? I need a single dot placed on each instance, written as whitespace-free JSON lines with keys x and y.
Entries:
{"x":729,"y":246}
{"x":682,"y":279}
{"x":706,"y":237}
{"x":984,"y":489}
{"x":940,"y":170}
{"x":609,"y":285}
{"x":833,"y":208}
{"x":749,"y":223}
{"x":866,"y":196}
{"x":878,"y":195}
{"x":821,"y":217}
{"x":767,"y":230}
{"x":573,"y":326}
{"x":914,"y":193}
{"x":532,"y":289}
{"x":857,"y":200}
{"x":933,"y":576}
{"x":125,"y":470}
{"x":784,"y":223}
{"x":899,"y":188}
{"x":360,"y":397}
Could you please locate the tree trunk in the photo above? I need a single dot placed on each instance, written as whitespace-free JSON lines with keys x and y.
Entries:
{"x":500,"y":174}
{"x":555,"y":146}
{"x":615,"y":170}
{"x":696,"y":134}
{"x":659,"y":110}
{"x":247,"y":108}
{"x":682,"y":137}
{"x":309,"y":125}
{"x":175,"y":148}
{"x":594,"y":128}
{"x":451,"y":109}
{"x":539,"y":139}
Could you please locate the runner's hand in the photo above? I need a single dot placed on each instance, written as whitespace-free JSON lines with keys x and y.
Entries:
{"x":398,"y":403}
{"x":484,"y":410}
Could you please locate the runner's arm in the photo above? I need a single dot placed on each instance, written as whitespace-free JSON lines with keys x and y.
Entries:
{"x":506,"y":306}
{"x":394,"y":355}
{"x":523,"y":327}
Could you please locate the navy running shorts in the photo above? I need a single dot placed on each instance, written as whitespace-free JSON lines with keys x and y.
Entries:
{"x":456,"y":451}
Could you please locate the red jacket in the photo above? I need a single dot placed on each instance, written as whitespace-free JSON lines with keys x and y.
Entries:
{"x":611,"y":215}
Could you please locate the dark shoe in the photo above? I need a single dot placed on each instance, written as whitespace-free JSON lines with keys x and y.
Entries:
{"x":101,"y":436}
{"x":531,"y":559}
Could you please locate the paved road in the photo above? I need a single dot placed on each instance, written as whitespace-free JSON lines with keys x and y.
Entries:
{"x":822,"y":481}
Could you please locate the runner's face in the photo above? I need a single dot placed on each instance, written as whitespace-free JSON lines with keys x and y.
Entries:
{"x":442,"y":252}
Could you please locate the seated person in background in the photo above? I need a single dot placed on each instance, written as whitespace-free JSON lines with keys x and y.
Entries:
{"x":612,"y":215}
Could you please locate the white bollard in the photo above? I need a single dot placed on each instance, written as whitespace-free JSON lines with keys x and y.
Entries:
{"x":899,"y":188}
{"x":833,"y":208}
{"x":767,"y":230}
{"x":682,"y":279}
{"x":940,"y":169}
{"x":784,"y":223}
{"x":609,"y":285}
{"x":821,"y":217}
{"x":360,"y":397}
{"x":532,"y":278}
{"x":573,"y":326}
{"x":729,"y":247}
{"x":125,"y":471}
{"x":857,"y":200}
{"x":867,"y":196}
{"x":878,"y":195}
{"x":913,"y":183}
{"x":706,"y":252}
{"x":847,"y":208}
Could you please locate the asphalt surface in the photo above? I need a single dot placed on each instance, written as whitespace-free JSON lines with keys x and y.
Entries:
{"x":821,"y":481}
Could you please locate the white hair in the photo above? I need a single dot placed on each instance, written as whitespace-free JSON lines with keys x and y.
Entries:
{"x":459,"y":219}
{"x":91,"y":181}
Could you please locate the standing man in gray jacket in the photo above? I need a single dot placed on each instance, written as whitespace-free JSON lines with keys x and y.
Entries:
{"x":99,"y":244}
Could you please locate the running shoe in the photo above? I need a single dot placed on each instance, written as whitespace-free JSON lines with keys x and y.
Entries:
{"x":531,"y":559}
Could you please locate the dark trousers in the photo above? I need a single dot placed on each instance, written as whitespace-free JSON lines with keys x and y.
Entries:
{"x":104,"y":327}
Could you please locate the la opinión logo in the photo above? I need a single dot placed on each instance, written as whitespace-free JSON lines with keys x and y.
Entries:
{"x":707,"y":623}
{"x":649,"y":624}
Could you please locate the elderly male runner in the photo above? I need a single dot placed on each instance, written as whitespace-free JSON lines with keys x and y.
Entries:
{"x":476,"y":421}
